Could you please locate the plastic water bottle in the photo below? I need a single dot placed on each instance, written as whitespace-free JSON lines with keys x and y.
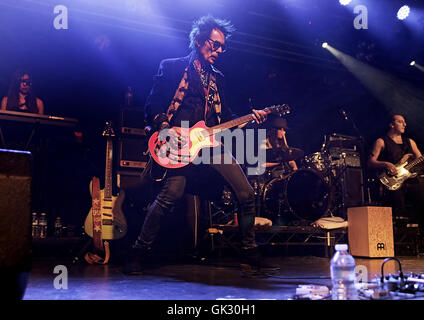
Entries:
{"x":43,"y":225}
{"x":35,"y":226}
{"x":343,"y":274}
{"x":58,"y":227}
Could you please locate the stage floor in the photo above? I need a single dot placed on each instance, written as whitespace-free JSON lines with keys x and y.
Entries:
{"x":194,"y":281}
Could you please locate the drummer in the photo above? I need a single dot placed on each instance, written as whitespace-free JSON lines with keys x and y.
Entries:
{"x":276,"y":144}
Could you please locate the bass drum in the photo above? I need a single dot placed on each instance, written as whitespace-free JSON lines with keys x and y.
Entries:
{"x":303,"y":195}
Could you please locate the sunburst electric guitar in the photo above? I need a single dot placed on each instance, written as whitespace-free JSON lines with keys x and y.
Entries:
{"x":111,"y":219}
{"x":394,"y":182}
{"x":178,"y":151}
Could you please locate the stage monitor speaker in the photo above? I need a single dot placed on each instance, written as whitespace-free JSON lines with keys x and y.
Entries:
{"x":15,"y":221}
{"x":352,"y":187}
{"x":370,"y":232}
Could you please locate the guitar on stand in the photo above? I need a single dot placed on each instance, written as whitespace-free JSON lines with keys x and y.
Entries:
{"x":106,"y":220}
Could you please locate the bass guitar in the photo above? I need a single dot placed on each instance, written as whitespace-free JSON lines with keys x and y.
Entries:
{"x":172,"y":150}
{"x":403,"y":167}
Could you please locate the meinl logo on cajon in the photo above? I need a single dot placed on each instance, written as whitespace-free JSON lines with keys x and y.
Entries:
{"x":380,"y":246}
{"x":370,"y":231}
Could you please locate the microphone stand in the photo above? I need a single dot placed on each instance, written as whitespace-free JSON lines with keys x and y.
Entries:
{"x":363,"y":146}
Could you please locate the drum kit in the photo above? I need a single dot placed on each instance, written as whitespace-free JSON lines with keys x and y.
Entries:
{"x":295,"y":197}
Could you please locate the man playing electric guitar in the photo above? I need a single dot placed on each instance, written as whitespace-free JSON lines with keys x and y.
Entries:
{"x":390,"y":153}
{"x":190,"y":89}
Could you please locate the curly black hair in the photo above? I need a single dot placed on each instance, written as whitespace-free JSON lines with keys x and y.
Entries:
{"x":203,"y":27}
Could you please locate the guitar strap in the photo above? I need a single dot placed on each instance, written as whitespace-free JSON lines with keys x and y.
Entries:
{"x":99,"y":246}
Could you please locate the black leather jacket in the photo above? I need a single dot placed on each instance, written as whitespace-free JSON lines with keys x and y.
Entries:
{"x":166,"y":82}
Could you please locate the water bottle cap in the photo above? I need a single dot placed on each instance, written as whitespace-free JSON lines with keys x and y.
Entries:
{"x":341,"y":247}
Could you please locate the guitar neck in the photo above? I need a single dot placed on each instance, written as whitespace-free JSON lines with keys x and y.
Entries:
{"x":230,"y":124}
{"x":108,"y":171}
{"x":414,"y":163}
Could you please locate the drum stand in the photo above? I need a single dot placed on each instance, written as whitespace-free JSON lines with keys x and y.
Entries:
{"x":279,"y":219}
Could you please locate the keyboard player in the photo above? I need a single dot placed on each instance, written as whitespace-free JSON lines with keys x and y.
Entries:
{"x":21,"y":97}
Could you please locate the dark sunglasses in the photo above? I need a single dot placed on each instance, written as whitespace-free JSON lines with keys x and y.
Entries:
{"x":216,"y":45}
{"x":26,"y":81}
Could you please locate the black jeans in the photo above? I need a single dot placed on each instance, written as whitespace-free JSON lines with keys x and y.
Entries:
{"x":173,"y":190}
{"x":408,"y":201}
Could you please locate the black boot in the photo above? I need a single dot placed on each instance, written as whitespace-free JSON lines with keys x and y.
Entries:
{"x":253,"y":259}
{"x":136,"y":259}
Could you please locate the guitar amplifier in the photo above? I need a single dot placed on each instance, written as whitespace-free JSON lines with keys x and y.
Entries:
{"x":352,"y":181}
{"x":345,"y":157}
{"x":133,"y":151}
{"x":341,"y":141}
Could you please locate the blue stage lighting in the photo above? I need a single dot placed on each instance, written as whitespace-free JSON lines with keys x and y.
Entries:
{"x":403,"y":13}
{"x":345,"y":2}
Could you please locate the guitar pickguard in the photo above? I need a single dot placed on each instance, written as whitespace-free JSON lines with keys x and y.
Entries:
{"x":114,"y":224}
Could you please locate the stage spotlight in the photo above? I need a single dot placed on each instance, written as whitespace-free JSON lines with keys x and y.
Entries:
{"x":324,"y":45}
{"x":412,"y":63}
{"x":345,"y":2}
{"x":403,"y":13}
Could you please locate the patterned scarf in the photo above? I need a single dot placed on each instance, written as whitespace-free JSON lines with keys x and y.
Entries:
{"x":208,"y":79}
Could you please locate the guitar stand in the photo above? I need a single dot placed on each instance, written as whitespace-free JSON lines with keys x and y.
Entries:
{"x":34,"y":129}
{"x":28,"y":141}
{"x":84,"y":249}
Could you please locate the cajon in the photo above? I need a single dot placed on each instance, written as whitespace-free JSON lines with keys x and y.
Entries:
{"x":370,"y":231}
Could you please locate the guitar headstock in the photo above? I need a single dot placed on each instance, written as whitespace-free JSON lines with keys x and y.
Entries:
{"x":108,"y":131}
{"x":281,"y":109}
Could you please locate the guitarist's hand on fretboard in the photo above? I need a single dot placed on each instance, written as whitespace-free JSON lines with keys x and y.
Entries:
{"x":260,"y":116}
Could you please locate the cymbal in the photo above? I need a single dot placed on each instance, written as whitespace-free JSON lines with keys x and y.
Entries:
{"x":284,"y":155}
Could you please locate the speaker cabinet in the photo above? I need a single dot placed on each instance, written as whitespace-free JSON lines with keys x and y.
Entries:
{"x":370,"y":232}
{"x":133,"y":152}
{"x":130,"y":180}
{"x":352,"y":187}
{"x":15,"y":220}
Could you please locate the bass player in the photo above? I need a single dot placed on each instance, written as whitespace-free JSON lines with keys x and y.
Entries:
{"x":390,"y":150}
